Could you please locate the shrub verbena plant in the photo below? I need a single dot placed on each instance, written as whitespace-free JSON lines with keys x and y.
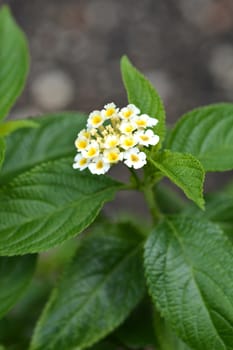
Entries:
{"x":124,"y":283}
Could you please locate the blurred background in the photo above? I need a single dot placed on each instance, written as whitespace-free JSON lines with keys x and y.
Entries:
{"x":185,"y":48}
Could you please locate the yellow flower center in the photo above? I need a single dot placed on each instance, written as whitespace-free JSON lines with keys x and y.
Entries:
{"x":141,"y":122}
{"x":128,"y":142}
{"x":99,"y":164}
{"x":112,"y":143}
{"x":91,"y":152}
{"x":144,"y":137}
{"x":109,"y":112}
{"x":127,"y":113}
{"x":128,"y":128}
{"x":81,"y":144}
{"x":134,"y":158}
{"x":113,"y":157}
{"x":96,"y":119}
{"x":82,"y":162}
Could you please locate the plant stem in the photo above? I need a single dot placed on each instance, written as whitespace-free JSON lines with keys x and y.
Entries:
{"x":150,"y":200}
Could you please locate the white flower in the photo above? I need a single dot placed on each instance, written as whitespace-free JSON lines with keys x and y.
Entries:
{"x":134,"y":158}
{"x":146,"y":138}
{"x":110,"y":110}
{"x":81,"y":143}
{"x":80,"y":162}
{"x":126,"y":127}
{"x":84,"y":134}
{"x":128,"y":141}
{"x":111,"y":141}
{"x":128,"y":112}
{"x":95,"y":119}
{"x":92,"y":150}
{"x":112,"y":155}
{"x":98,"y":166}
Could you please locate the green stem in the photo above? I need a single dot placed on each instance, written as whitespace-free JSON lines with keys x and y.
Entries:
{"x":136,"y":178}
{"x":151,"y":202}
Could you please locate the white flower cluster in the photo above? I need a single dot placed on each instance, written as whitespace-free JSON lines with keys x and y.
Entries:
{"x":114,"y":135}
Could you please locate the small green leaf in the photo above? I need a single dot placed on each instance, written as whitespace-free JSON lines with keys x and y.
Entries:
{"x":12,"y":125}
{"x":48,"y":204}
{"x":100,"y":288}
{"x":2,"y":151}
{"x":188,"y":266}
{"x":141,"y":93}
{"x":52,"y":140}
{"x":207,"y":133}
{"x":15,"y":275}
{"x":14,"y":61}
{"x":185,"y":171}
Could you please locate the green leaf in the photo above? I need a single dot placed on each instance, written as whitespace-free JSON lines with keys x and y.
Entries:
{"x":12,"y":125}
{"x":52,"y":140}
{"x":141,"y":93}
{"x":135,"y":334}
{"x":219,"y":209}
{"x":14,"y":61}
{"x":207,"y":133}
{"x":100,"y":288}
{"x":2,"y":151}
{"x":15,"y":275}
{"x":188,"y":266}
{"x":48,"y":204}
{"x":185,"y":171}
{"x":168,"y":200}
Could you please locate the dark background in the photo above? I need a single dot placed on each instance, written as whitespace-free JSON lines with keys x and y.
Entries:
{"x":185,"y":47}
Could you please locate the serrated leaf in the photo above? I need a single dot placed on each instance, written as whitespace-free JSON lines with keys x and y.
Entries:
{"x":102,"y":285}
{"x":141,"y":93}
{"x":15,"y":275}
{"x":13,"y":125}
{"x":52,"y":140}
{"x":2,"y":151}
{"x":14,"y":61}
{"x":188,"y":265}
{"x":185,"y":171}
{"x":207,"y":133}
{"x":49,"y":204}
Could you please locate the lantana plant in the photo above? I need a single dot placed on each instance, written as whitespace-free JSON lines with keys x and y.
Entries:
{"x":74,"y":278}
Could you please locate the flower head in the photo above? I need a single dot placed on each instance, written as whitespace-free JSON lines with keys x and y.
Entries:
{"x":113,"y":135}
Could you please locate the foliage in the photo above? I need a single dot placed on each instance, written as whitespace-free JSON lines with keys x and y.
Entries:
{"x":113,"y":283}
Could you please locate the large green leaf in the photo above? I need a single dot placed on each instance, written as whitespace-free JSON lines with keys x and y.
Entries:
{"x":14,"y":61}
{"x":48,"y":204}
{"x":207,"y":133}
{"x":100,"y":288}
{"x":15,"y":275}
{"x":13,"y":125}
{"x":52,"y":140}
{"x":2,"y":151}
{"x":141,"y":93}
{"x":185,"y":171}
{"x":189,"y":271}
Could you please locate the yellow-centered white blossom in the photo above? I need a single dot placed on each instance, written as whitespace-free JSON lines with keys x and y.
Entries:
{"x":98,"y":166}
{"x":113,"y":135}
{"x":126,"y":113}
{"x":134,"y":158}
{"x":110,"y":110}
{"x":128,"y":141}
{"x":95,"y":119}
{"x":146,"y":137}
{"x":80,"y":162}
{"x":112,"y":155}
